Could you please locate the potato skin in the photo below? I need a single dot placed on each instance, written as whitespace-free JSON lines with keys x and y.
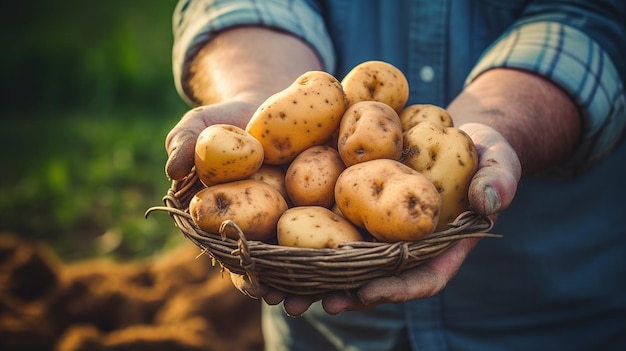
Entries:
{"x":416,"y":113}
{"x":447,"y":157}
{"x":369,"y":130}
{"x":389,"y":199}
{"x":274,"y":176}
{"x":311,"y":176}
{"x":225,"y":153}
{"x":304,"y":114}
{"x":253,"y":205}
{"x":315,"y":227}
{"x":376,"y":81}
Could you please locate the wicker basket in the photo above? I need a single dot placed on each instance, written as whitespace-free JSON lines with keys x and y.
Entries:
{"x":312,"y":271}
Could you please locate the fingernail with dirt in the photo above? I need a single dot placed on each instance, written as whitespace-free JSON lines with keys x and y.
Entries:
{"x":492,"y":200}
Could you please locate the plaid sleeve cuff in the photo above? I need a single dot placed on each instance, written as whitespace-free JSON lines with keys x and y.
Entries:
{"x":197,"y":21}
{"x":575,"y":62}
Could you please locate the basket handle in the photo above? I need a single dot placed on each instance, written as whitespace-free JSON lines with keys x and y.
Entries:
{"x":243,"y":250}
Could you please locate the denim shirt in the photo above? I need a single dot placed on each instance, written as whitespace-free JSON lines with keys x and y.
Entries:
{"x":557,"y":279}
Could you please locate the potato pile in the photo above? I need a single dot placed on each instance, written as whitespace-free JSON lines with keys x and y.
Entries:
{"x":325,"y":162}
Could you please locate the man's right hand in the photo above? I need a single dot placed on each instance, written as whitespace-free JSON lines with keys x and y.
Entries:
{"x":230,"y":76}
{"x":181,"y":140}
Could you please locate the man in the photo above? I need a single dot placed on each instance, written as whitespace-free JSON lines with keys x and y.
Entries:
{"x":538,"y":85}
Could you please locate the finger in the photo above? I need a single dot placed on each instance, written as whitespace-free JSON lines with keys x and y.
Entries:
{"x":181,"y":154}
{"x":421,"y":282}
{"x":492,"y":190}
{"x":180,"y":143}
{"x":339,"y":301}
{"x":494,"y":185}
{"x":274,"y":296}
{"x":296,"y":305}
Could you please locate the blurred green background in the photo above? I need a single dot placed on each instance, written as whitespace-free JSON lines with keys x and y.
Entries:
{"x":87,"y":100}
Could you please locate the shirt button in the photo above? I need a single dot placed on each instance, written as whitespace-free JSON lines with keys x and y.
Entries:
{"x":427,"y":74}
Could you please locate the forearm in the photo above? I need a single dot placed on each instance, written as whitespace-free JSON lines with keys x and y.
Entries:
{"x":537,"y":118}
{"x":230,"y":77}
{"x":247,"y":63}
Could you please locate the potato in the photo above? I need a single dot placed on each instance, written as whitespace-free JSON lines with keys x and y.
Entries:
{"x":224,"y":153}
{"x":448,"y":158}
{"x":376,"y":81}
{"x":336,"y":210}
{"x":369,"y":130}
{"x":392,"y":201}
{"x":253,"y":205}
{"x":305,"y":114}
{"x":274,"y":176}
{"x":414,"y":114}
{"x":311,"y":176}
{"x":315,"y":227}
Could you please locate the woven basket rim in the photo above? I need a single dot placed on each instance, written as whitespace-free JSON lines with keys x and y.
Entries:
{"x":307,"y":271}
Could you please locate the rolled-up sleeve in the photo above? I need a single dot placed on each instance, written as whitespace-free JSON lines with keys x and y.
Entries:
{"x":571,"y":58}
{"x":196,"y":21}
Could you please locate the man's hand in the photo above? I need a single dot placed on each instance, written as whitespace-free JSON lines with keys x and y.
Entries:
{"x":230,"y":77}
{"x":181,"y":140}
{"x":421,"y":282}
{"x":499,"y":170}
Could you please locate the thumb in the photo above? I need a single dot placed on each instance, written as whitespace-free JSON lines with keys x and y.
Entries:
{"x":180,"y":143}
{"x":180,"y":148}
{"x":499,"y":170}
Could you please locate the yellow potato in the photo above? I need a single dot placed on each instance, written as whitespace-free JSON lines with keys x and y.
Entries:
{"x":315,"y":227}
{"x":389,"y":199}
{"x":369,"y":130}
{"x":224,"y":153}
{"x":305,"y":114}
{"x":311,"y":176}
{"x":414,"y":114}
{"x":376,"y":81}
{"x":274,"y":176}
{"x":448,"y":158}
{"x":253,"y":205}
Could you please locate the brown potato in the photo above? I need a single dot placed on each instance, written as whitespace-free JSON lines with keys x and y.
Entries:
{"x":376,"y":81}
{"x":315,"y":227}
{"x":369,"y":130}
{"x":305,"y":114}
{"x":311,"y":176}
{"x":224,"y":153}
{"x":274,"y":176}
{"x":414,"y":114}
{"x":392,"y":201}
{"x":447,"y":157}
{"x":253,"y":205}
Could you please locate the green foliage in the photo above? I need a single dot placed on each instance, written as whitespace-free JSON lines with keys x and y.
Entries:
{"x":88,"y":98}
{"x":80,"y":182}
{"x":96,"y":55}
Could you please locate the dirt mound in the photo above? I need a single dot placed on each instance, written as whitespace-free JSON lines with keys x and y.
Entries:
{"x":178,"y":301}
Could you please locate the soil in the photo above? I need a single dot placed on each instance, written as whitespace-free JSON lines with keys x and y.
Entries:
{"x":177,"y":301}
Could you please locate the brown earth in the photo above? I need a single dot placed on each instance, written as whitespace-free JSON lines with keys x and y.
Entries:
{"x":177,"y":301}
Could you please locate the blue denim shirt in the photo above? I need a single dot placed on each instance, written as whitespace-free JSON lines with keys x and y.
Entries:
{"x":557,"y":280}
